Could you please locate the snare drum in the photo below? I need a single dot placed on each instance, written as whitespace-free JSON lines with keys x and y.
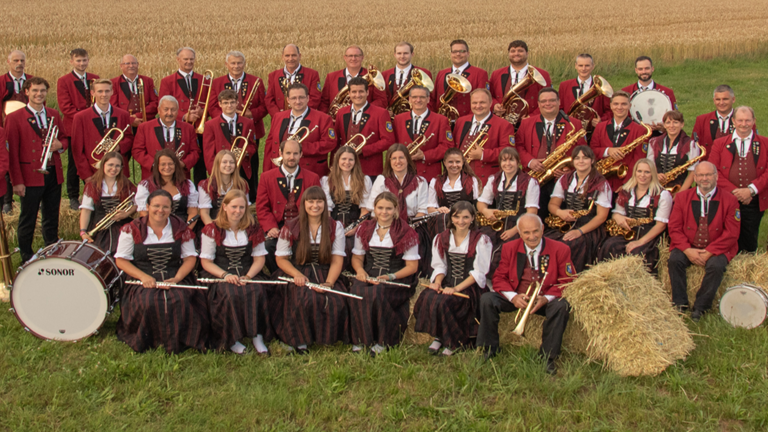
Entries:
{"x":649,"y":106}
{"x":66,"y":291}
{"x":744,"y":306}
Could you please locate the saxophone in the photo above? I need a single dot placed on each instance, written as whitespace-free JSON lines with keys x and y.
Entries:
{"x":615,"y":229}
{"x":606,"y":166}
{"x":554,"y":221}
{"x":557,"y":160}
{"x":497,"y":225}
{"x":677,"y":171}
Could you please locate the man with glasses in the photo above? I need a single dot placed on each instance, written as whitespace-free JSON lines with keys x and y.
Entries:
{"x":126,"y":91}
{"x":477,"y":77}
{"x":292,"y":72}
{"x":336,"y":81}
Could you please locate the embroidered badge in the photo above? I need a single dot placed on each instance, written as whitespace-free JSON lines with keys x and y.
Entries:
{"x":331,"y":133}
{"x":389,"y":126}
{"x":512,"y":140}
{"x":319,"y":87}
{"x":448,"y":135}
{"x":488,"y":86}
{"x":711,"y":122}
{"x":645,"y":147}
{"x":155,"y":92}
{"x":569,"y":269}
{"x":738,"y":215}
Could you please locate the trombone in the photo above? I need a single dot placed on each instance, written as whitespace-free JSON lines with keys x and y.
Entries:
{"x":108,"y":220}
{"x":300,"y":135}
{"x":249,"y":99}
{"x":142,"y":102}
{"x":240,"y":152}
{"x":533,"y":292}
{"x":207,"y":81}
{"x":53,"y":131}
{"x":107,"y":144}
{"x":456,"y":84}
{"x":359,"y":147}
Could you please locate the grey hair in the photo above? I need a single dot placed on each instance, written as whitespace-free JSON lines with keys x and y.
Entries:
{"x":529,"y":216}
{"x":744,"y":108}
{"x":723,"y":88}
{"x":178,"y":51}
{"x":234,"y":54}
{"x":706,"y":164}
{"x":421,"y":88}
{"x":10,"y":54}
{"x":168,"y":98}
{"x":298,"y":51}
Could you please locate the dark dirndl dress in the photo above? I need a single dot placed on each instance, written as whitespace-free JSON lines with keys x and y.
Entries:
{"x":106,"y":239}
{"x":346,"y":212}
{"x":303,"y":316}
{"x":615,"y":246}
{"x":176,"y":318}
{"x":504,"y":201}
{"x":584,"y":250}
{"x":382,"y":316}
{"x":237,"y":311}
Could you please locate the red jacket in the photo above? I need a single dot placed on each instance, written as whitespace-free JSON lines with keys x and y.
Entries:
{"x":3,"y":162}
{"x":315,"y":147}
{"x":8,"y":92}
{"x":476,"y":76}
{"x":501,"y":134}
{"x":723,"y":153}
{"x":390,"y":77}
{"x":175,"y":85}
{"x":434,"y":149}
{"x":631,"y":89}
{"x":121,"y":96}
{"x":275,"y":99}
{"x":530,"y":137}
{"x":258,"y":107}
{"x":217,"y":137}
{"x":568,"y":94}
{"x":376,"y":120}
{"x":555,"y":259}
{"x":707,"y":128}
{"x":150,"y":140}
{"x":72,"y":97}
{"x":87,"y":132}
{"x":501,"y":82}
{"x":335,"y":81}
{"x":272,"y":195}
{"x":25,"y":147}
{"x":602,"y":139}
{"x":724,"y":222}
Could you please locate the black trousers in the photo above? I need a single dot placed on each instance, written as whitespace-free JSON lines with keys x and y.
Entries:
{"x":73,"y":181}
{"x":253,"y":183}
{"x":46,"y":198}
{"x":199,"y":173}
{"x":8,"y":198}
{"x":545,"y":193}
{"x":713,"y":275}
{"x":271,"y":245}
{"x":556,"y":312}
{"x":751,"y":216}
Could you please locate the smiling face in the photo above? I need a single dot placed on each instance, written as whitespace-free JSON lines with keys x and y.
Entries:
{"x":37,"y":94}
{"x":530,"y":231}
{"x":453,"y":164}
{"x":549,"y":104}
{"x":353,"y":58}
{"x":167,"y":112}
{"x":743,"y":121}
{"x":459,"y":54}
{"x":673,"y":127}
{"x":235,"y":211}
{"x":315,"y":208}
{"x":129,"y":66}
{"x":101,"y":93}
{"x":518,"y":56}
{"x":403,"y":55}
{"x":228,"y":107}
{"x":112,"y":168}
{"x":227,"y":165}
{"x":79,"y":64}
{"x":724,"y":102}
{"x":235,"y":66}
{"x":398,"y":162}
{"x":291,"y":57}
{"x":643,"y":174}
{"x":159,"y":209}
{"x":346,"y":162}
{"x":186,"y":60}
{"x":480,"y":104}
{"x":385,"y":212}
{"x":291,"y":154}
{"x":705,"y":176}
{"x":298,"y":99}
{"x":166,"y":167}
{"x":462,"y":220}
{"x":509,"y":166}
{"x":620,"y":107}
{"x":358,"y":95}
{"x":644,"y":70}
{"x":16,"y":63}
{"x":418,"y":99}
{"x":582,"y":163}
{"x":584,"y":67}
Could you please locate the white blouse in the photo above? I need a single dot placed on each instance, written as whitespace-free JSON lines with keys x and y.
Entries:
{"x":604,"y":197}
{"x":410,"y":254}
{"x":204,"y":200}
{"x":208,"y":244}
{"x":417,"y":201}
{"x":531,"y":194}
{"x":125,"y":243}
{"x":481,"y":265}
{"x":457,"y":187}
{"x":87,"y":202}
{"x":327,"y":190}
{"x":142,"y":193}
{"x":662,"y":213}
{"x":339,"y":243}
{"x":693,"y":151}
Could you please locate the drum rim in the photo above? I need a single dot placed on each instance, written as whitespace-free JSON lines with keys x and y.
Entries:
{"x":759,"y":291}
{"x":649,"y":91}
{"x":43,"y":255}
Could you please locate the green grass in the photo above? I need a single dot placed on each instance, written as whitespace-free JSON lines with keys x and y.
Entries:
{"x":100,"y":384}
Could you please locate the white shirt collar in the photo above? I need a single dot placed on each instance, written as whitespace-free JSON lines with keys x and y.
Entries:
{"x":726,"y":117}
{"x":173,"y":125}
{"x":231,"y":78}
{"x":708,"y":197}
{"x":422,"y":116}
{"x":229,"y":119}
{"x":407,"y":69}
{"x":302,"y":114}
{"x":184,"y":74}
{"x":652,"y":85}
{"x":537,"y":249}
{"x":98,"y":110}
{"x":587,"y":81}
{"x":352,"y":108}
{"x":736,"y":136}
{"x":167,"y":231}
{"x":285,"y":70}
{"x":485,"y":119}
{"x":23,"y":77}
{"x":132,"y":81}
{"x":521,"y":72}
{"x":286,"y":173}
{"x":347,"y":73}
{"x":461,"y":68}
{"x":82,"y":77}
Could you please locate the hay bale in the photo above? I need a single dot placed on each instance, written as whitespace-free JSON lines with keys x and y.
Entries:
{"x":632,"y":327}
{"x":69,"y":224}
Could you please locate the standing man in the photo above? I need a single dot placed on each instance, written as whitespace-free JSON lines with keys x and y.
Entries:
{"x":718,"y":123}
{"x":220,"y":132}
{"x":740,"y":159}
{"x":507,"y":77}
{"x":422,"y":122}
{"x":293,"y":72}
{"x":500,"y":134}
{"x":26,"y":130}
{"x":126,"y":91}
{"x":338,"y":80}
{"x":573,"y":89}
{"x":400,"y":75}
{"x":73,"y":92}
{"x":644,"y":71}
{"x":11,"y":92}
{"x":363,"y":118}
{"x":703,"y":231}
{"x":477,"y":77}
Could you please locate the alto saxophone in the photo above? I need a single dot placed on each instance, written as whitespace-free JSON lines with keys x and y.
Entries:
{"x":557,"y":160}
{"x":497,"y":225}
{"x":615,"y":229}
{"x":606,"y":166}
{"x":676,"y":172}
{"x":554,"y":221}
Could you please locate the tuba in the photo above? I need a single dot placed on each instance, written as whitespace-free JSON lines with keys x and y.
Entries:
{"x":515,"y":107}
{"x":399,"y":103}
{"x":557,"y":160}
{"x":301,"y":134}
{"x":677,"y":171}
{"x":606,"y":165}
{"x":207,"y":81}
{"x":456,"y":84}
{"x":240,"y":152}
{"x":582,"y":107}
{"x":107,"y":144}
{"x":342,"y":98}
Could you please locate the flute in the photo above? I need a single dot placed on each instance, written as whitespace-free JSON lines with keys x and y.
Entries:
{"x":457,"y":294}
{"x":167,"y":285}
{"x":323,"y":288}
{"x":208,"y":280}
{"x":373,"y":280}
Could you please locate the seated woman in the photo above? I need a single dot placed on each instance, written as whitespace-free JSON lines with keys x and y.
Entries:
{"x":673,"y":149}
{"x":387,"y":249}
{"x":461,"y":256}
{"x":106,"y":190}
{"x":159,"y":247}
{"x":509,"y":190}
{"x":168,"y":175}
{"x":232,"y":248}
{"x":310,"y":249}
{"x":579,"y":207}
{"x":641,"y":199}
{"x":457,"y":183}
{"x":224,"y":177}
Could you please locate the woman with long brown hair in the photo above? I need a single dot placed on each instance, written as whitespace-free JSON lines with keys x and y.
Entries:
{"x":168,"y":175}
{"x":673,"y":149}
{"x":457,"y":183}
{"x":224,"y":177}
{"x":311,"y":249}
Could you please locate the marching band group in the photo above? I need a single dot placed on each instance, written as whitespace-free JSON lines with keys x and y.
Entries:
{"x":499,"y":190}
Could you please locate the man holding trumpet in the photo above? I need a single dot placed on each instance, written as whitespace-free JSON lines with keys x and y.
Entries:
{"x":221,"y":131}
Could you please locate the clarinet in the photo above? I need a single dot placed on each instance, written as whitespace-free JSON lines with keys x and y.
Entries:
{"x":356,"y":223}
{"x":416,"y":222}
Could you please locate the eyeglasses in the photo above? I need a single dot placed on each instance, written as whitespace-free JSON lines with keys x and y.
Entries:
{"x":297,"y":98}
{"x":353,"y":55}
{"x":459,"y":52}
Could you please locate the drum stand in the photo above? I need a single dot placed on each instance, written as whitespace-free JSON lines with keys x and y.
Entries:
{"x":5,"y":264}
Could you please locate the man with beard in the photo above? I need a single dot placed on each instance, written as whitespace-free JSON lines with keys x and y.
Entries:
{"x":644,"y":72}
{"x":507,"y":77}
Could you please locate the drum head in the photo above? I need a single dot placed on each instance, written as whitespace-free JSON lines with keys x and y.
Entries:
{"x":744,"y":306}
{"x":649,"y":106}
{"x":59,"y":299}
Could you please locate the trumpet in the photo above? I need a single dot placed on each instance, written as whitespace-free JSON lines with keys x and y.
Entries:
{"x":207,"y":81}
{"x":479,"y":142}
{"x":515,"y":106}
{"x":240,"y":152}
{"x":615,"y":229}
{"x":53,"y":132}
{"x":249,"y":100}
{"x":418,"y":143}
{"x":180,"y":152}
{"x":301,"y":134}
{"x":497,"y":225}
{"x":373,"y":280}
{"x":142,"y":102}
{"x":676,"y":172}
{"x":456,"y":84}
{"x":399,"y":103}
{"x":108,"y":220}
{"x":554,"y":221}
{"x":107,"y":144}
{"x":606,"y":166}
{"x":533,"y":292}
{"x":359,"y":147}
{"x":342,"y":98}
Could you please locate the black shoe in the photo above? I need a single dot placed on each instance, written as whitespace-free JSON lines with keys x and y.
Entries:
{"x":434,"y":351}
{"x":696,"y":315}
{"x":490,"y":352}
{"x":681,"y":308}
{"x":7,"y":208}
{"x":302,"y":351}
{"x":551,"y":367}
{"x":74,"y":204}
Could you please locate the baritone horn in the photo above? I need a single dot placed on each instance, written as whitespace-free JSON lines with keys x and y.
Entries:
{"x":399,"y":103}
{"x":240,"y":152}
{"x":341,"y":100}
{"x":300,"y":135}
{"x":107,"y":144}
{"x":581,"y":107}
{"x":207,"y":81}
{"x":456,"y":84}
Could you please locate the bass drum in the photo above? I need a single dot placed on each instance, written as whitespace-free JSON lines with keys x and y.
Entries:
{"x":744,"y":306}
{"x":66,"y":291}
{"x":649,"y":106}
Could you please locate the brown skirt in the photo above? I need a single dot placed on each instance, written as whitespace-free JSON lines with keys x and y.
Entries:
{"x":382,"y":316}
{"x":614,"y":247}
{"x":448,"y":318}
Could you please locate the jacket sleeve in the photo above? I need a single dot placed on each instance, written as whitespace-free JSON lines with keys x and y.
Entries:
{"x":264,"y":208}
{"x":152,"y":99}
{"x":325,"y":97}
{"x":139,"y":151}
{"x":77,"y":141}
{"x":313,"y":84}
{"x":501,"y":280}
{"x":436,"y":154}
{"x":13,"y":136}
{"x":506,"y":137}
{"x":64,"y":98}
{"x":269,"y":99}
{"x":676,"y":228}
{"x":325,"y":144}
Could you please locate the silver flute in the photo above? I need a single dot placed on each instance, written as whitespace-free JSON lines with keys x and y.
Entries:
{"x":323,"y":288}
{"x":167,"y":285}
{"x":374,"y":280}
{"x":208,"y":280}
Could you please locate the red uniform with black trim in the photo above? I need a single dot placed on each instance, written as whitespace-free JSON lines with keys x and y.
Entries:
{"x":258,"y":108}
{"x":631,"y":89}
{"x":25,"y":147}
{"x":531,"y":142}
{"x":724,"y":154}
{"x":73,"y":98}
{"x":569,"y":91}
{"x":723,"y":222}
{"x":315,"y":147}
{"x":555,"y":259}
{"x":87,"y":132}
{"x":476,"y":76}
{"x":335,"y":81}
{"x":175,"y":85}
{"x":391,"y":76}
{"x":273,"y":195}
{"x":150,"y":140}
{"x":501,"y":134}
{"x":373,"y":120}
{"x":501,"y":83}
{"x":123,"y":99}
{"x":603,"y":139}
{"x":217,"y":137}
{"x":8,"y":93}
{"x":4,"y":162}
{"x":434,"y":149}
{"x":707,"y":128}
{"x":275,"y":98}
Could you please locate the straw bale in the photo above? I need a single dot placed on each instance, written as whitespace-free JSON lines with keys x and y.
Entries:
{"x":632,"y":327}
{"x":69,"y":224}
